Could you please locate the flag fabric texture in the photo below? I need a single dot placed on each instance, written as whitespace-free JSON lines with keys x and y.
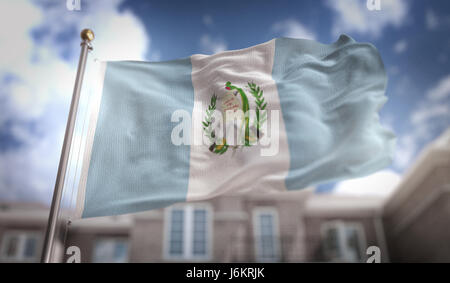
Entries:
{"x":327,"y":97}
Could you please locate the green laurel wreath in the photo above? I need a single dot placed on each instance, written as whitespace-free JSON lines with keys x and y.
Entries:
{"x":261,"y":113}
{"x":207,"y":123}
{"x":208,"y":119}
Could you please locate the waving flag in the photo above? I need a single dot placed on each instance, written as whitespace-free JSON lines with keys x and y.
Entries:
{"x":282,"y":115}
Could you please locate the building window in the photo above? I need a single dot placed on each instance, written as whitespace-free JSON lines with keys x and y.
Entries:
{"x":20,"y":246}
{"x":199,"y":232}
{"x":343,"y":241}
{"x":176,"y":232}
{"x":266,"y":233}
{"x":111,"y":250}
{"x":188,"y":232}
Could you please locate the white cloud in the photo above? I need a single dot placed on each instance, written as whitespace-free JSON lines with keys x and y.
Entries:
{"x":431,"y":20}
{"x":119,"y":35}
{"x":400,"y":46}
{"x":294,"y":29}
{"x":405,"y":150}
{"x":380,"y":184}
{"x":35,"y":65}
{"x":212,"y":45}
{"x":353,"y":16}
{"x":429,"y":111}
{"x":441,"y":90}
{"x":15,"y":41}
{"x":436,"y":106}
{"x":427,"y":119}
{"x":36,"y":97}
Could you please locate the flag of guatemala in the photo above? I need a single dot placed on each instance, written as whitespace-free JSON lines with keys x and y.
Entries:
{"x":283,"y":115}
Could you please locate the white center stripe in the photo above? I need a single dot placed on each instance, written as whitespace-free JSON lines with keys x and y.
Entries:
{"x":213,"y":174}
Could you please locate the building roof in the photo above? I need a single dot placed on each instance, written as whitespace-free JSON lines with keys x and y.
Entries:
{"x":434,"y":156}
{"x":332,"y":205}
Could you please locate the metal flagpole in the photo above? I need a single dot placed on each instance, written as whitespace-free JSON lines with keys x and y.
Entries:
{"x":87,"y":36}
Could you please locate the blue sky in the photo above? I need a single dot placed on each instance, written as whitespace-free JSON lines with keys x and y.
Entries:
{"x":41,"y":44}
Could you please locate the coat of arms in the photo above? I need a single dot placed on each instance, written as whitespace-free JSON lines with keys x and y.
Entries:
{"x":231,"y":101}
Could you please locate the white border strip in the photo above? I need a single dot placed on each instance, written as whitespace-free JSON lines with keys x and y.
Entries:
{"x":96,"y":100}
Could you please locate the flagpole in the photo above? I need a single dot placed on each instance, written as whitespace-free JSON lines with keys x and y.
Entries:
{"x":87,"y":36}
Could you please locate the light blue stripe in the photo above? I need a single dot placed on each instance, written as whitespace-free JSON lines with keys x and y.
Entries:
{"x":134,"y":165}
{"x":329,"y":96}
